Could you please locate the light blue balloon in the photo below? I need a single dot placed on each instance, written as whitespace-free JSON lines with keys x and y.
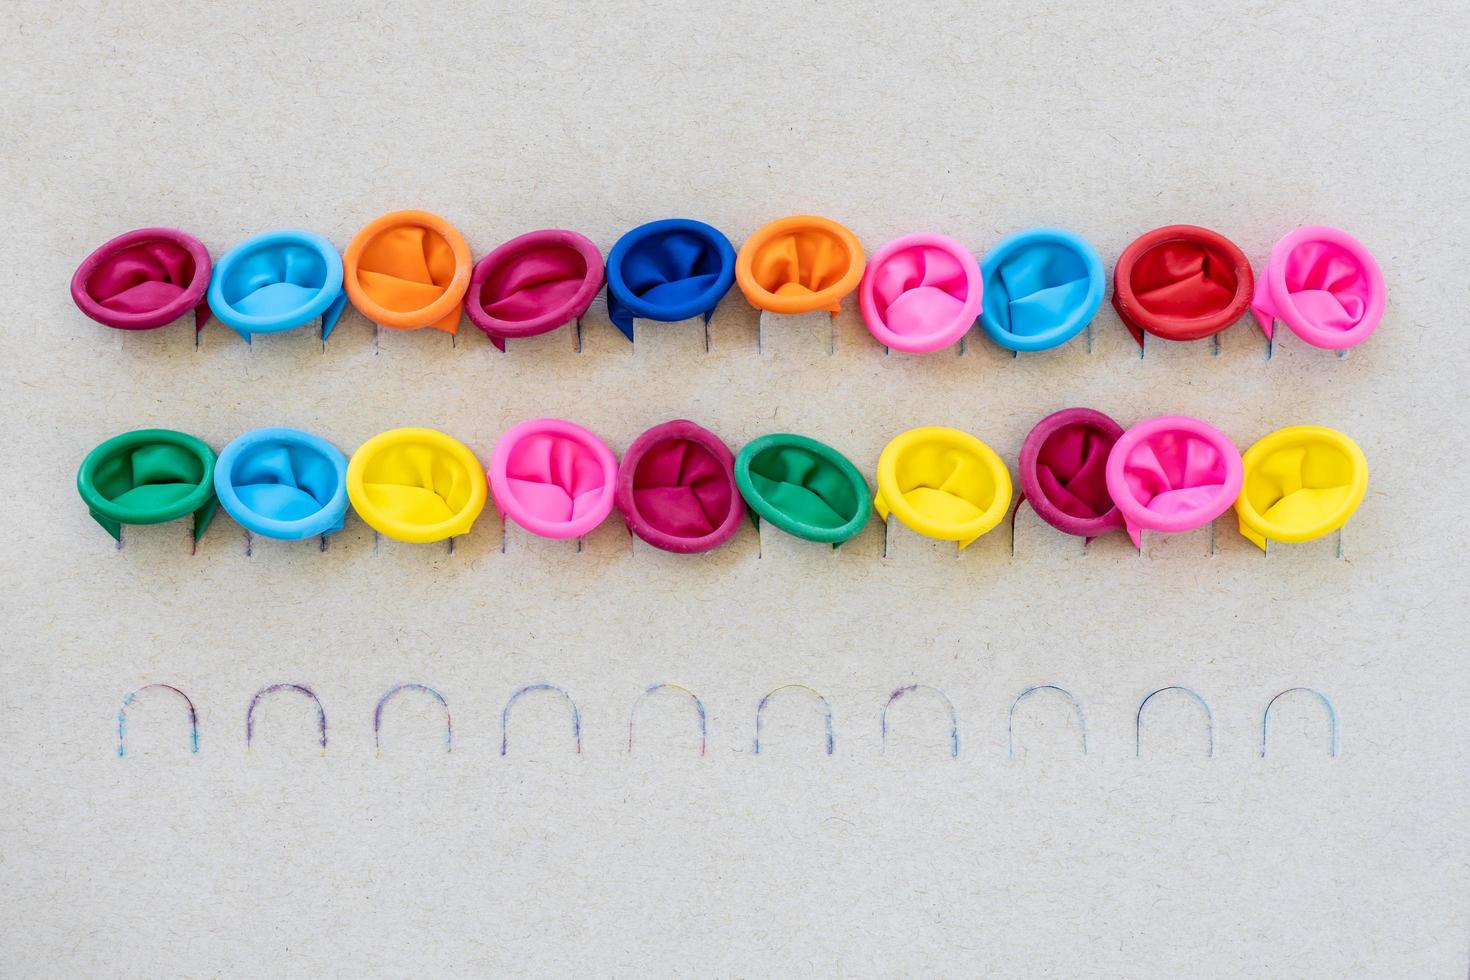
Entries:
{"x":1042,"y":287}
{"x":283,"y":483}
{"x":277,"y":281}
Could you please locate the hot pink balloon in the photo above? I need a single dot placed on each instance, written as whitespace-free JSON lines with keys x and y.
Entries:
{"x":920,"y":293}
{"x":553,"y":478}
{"x":1173,"y":473}
{"x":1324,"y":285}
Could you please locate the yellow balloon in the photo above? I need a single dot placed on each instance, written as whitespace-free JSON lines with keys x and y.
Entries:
{"x":416,"y":485}
{"x":1301,"y":483}
{"x":943,"y":483}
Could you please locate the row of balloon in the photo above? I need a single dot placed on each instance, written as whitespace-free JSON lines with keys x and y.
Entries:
{"x":1033,"y":291}
{"x":680,"y":488}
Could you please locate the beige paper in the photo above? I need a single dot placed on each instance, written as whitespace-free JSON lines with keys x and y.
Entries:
{"x":1020,"y":857}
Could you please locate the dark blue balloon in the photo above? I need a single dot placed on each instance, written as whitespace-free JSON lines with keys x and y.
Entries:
{"x":668,"y":270}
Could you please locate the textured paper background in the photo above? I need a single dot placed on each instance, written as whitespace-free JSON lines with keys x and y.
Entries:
{"x":1109,"y":119}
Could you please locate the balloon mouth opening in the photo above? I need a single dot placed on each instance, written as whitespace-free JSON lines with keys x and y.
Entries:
{"x":912,"y":307}
{"x":779,"y":267}
{"x":832,"y":513}
{"x":244,"y":477}
{"x":166,"y":300}
{"x":504,"y":303}
{"x":555,"y":500}
{"x":1063,"y":465}
{"x":449,"y":479}
{"x":1343,"y":455}
{"x":677,"y":488}
{"x":578,"y":274}
{"x":1173,"y":479}
{"x":311,"y":297}
{"x":1048,"y":303}
{"x":715,"y":261}
{"x":1330,"y":287}
{"x":379,"y":302}
{"x":940,"y":511}
{"x":196,"y":485}
{"x":1183,"y":283}
{"x":656,"y":517}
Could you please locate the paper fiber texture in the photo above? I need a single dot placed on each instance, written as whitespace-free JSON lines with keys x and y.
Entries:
{"x":1143,"y":858}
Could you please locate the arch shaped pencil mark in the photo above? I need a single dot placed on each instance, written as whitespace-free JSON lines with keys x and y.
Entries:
{"x":1331,"y":717}
{"x":321,"y":713}
{"x":393,"y":692}
{"x":1011,"y":716}
{"x":1209,"y":719}
{"x":760,"y":712}
{"x":698,"y":707}
{"x":543,"y":686}
{"x":122,"y":716}
{"x":954,"y":721}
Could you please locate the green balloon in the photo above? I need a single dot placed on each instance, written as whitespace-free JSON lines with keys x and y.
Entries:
{"x":804,"y":487}
{"x":149,"y":476}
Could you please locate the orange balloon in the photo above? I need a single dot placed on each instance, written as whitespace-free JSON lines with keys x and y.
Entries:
{"x":799,"y":264}
{"x":407,"y":270}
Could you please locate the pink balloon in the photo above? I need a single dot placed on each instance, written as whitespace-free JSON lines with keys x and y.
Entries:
{"x":920,"y":293}
{"x":1173,"y":473}
{"x":553,"y":478}
{"x":1324,"y":285}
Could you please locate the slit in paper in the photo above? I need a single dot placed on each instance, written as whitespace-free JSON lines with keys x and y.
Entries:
{"x":1326,"y":704}
{"x":321,"y":713}
{"x":1011,"y":717}
{"x":122,"y":716}
{"x":543,"y":686}
{"x":954,"y":721}
{"x":1209,"y":720}
{"x":393,"y":692}
{"x":681,"y":689}
{"x":760,"y":713}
